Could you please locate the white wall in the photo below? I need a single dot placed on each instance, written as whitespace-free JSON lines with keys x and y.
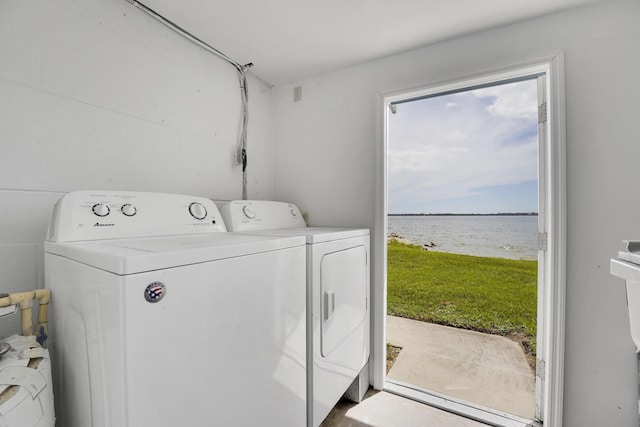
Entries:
{"x":325,"y":149}
{"x":94,"y":94}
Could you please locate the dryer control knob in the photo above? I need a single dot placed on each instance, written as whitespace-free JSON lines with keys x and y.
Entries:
{"x":128,"y":209}
{"x":248,"y":212}
{"x":197,"y":210}
{"x":100,"y":209}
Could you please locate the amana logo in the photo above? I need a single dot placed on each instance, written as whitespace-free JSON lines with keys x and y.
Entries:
{"x":97,"y":224}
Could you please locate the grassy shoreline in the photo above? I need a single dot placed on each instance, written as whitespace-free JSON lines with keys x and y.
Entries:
{"x":491,"y":295}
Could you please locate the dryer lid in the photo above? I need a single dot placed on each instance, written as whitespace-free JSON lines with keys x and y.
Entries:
{"x":279,"y":219}
{"x":129,"y":256}
{"x":326,"y":234}
{"x":316,"y":234}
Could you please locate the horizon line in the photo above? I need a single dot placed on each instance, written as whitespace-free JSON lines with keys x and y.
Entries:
{"x":466,"y":214}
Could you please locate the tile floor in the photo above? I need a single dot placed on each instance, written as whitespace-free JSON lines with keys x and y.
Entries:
{"x":383,"y":409}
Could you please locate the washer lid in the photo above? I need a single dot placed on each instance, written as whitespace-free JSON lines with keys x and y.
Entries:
{"x":129,"y":256}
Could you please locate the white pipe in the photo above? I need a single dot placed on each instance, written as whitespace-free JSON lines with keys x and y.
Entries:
{"x":24,"y":300}
{"x":175,"y":27}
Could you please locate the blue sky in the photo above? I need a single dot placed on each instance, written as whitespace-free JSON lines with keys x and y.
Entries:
{"x":469,"y":152}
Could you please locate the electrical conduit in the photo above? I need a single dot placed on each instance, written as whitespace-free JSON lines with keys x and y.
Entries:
{"x":242,"y":76}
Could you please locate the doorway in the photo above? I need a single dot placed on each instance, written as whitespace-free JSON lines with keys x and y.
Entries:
{"x":463,"y":244}
{"x":550,"y":241}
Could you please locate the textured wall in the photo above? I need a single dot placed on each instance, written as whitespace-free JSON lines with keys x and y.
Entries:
{"x":95,"y":94}
{"x":325,"y":162}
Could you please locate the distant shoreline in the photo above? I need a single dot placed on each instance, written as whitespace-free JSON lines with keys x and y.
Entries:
{"x":467,"y":214}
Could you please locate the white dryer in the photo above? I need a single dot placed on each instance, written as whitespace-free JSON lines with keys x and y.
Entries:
{"x":159,"y":317}
{"x":337,"y":296}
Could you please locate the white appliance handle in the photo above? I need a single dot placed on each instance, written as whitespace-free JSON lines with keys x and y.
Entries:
{"x":329,"y":304}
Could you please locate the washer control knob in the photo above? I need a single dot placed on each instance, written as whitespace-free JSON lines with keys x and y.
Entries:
{"x":197,"y":210}
{"x":248,"y":212}
{"x":100,"y":209}
{"x":128,"y":209}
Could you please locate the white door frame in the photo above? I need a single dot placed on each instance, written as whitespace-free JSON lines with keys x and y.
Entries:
{"x":552,"y":153}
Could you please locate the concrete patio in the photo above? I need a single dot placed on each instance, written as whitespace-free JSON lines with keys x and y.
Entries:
{"x":487,"y":370}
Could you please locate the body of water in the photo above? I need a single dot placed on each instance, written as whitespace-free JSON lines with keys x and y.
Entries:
{"x":507,"y":236}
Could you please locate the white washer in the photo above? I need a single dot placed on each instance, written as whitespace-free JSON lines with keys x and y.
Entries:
{"x":337,"y":297}
{"x":162,"y":318}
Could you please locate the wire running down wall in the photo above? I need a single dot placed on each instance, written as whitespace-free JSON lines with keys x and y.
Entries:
{"x":97,"y":95}
{"x":241,"y":155}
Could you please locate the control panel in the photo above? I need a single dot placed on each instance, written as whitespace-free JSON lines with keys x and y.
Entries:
{"x":97,"y":215}
{"x":247,"y":215}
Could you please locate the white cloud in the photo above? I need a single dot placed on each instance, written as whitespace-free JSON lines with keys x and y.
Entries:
{"x":438,"y":153}
{"x":515,"y":100}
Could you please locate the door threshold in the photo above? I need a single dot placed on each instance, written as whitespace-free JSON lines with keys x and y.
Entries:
{"x":457,"y":406}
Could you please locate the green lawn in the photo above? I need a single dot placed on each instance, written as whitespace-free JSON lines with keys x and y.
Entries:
{"x":492,"y":295}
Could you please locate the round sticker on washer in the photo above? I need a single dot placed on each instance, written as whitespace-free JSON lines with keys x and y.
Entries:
{"x":154,"y":292}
